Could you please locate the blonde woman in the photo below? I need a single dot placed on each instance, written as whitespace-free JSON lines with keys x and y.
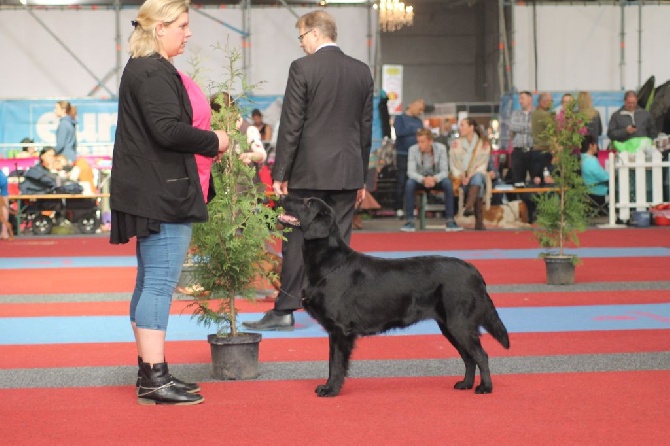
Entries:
{"x":66,"y":133}
{"x":155,"y":189}
{"x":594,"y":124}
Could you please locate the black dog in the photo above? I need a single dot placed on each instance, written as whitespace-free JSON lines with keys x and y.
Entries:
{"x":351,"y":294}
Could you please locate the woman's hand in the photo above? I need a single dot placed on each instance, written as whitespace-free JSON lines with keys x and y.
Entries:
{"x":224,"y":142}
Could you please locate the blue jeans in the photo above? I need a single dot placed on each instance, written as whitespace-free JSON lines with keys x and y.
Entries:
{"x":476,"y":180}
{"x":159,"y":260}
{"x":445,"y":185}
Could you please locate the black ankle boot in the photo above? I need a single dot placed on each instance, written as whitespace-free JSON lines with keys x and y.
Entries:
{"x":158,"y":387}
{"x":188,"y":387}
{"x":473,"y":194}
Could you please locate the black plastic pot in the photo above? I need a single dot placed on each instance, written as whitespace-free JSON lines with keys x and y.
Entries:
{"x":560,"y":270}
{"x":235,"y":357}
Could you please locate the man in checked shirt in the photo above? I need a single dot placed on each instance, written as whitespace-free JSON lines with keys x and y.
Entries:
{"x":522,"y":141}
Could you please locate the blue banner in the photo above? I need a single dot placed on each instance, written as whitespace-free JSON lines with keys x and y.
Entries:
{"x":96,"y":122}
{"x":35,"y":119}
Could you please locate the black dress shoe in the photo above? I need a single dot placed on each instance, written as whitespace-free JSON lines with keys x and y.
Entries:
{"x":272,"y":321}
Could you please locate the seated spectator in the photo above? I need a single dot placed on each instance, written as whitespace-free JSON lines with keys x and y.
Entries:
{"x":595,"y":177}
{"x":40,"y":179}
{"x":79,"y":172}
{"x":27,"y":151}
{"x":470,"y":155}
{"x":428,"y":169}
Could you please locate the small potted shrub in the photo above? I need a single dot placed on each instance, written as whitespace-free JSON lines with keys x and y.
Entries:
{"x":228,"y":251}
{"x":563,"y":214}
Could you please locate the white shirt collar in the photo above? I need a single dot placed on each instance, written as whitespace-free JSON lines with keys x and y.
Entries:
{"x":325,"y":45}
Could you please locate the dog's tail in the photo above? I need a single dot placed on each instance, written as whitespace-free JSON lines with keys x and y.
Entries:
{"x":494,"y":325}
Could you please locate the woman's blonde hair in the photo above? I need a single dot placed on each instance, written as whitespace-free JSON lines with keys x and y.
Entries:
{"x":143,"y":40}
{"x":585,"y":104}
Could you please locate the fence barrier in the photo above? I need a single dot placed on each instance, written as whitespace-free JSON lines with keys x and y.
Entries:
{"x":639,"y":178}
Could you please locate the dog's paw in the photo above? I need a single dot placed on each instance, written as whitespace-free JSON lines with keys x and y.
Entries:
{"x":462,"y":385}
{"x":326,"y":390}
{"x":481,"y":389}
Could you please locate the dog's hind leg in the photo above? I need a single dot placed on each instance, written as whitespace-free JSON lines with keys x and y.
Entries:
{"x":340,"y":348}
{"x":470,"y":364}
{"x":467,"y":337}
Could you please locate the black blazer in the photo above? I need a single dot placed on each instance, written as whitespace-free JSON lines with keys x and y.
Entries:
{"x":325,"y":130}
{"x":154,"y":174}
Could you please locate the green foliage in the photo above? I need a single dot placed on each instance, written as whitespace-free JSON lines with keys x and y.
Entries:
{"x":229,"y":249}
{"x":562,"y":215}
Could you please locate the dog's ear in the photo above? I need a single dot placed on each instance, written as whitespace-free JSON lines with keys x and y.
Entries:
{"x":320,"y":225}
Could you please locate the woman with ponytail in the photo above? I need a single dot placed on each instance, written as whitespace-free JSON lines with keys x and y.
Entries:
{"x":155,"y":189}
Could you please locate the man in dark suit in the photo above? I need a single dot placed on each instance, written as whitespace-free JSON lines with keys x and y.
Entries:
{"x":323,"y":146}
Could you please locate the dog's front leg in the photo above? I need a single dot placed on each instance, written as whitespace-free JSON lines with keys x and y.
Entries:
{"x":340,"y":347}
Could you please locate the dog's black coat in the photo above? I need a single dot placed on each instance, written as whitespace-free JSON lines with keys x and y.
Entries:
{"x":351,"y":294}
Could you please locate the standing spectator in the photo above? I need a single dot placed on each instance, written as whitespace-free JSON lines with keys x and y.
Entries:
{"x":5,"y":228}
{"x":631,"y":121}
{"x":428,"y":169}
{"x":406,"y":126}
{"x":522,"y":138}
{"x":470,"y":155}
{"x":323,"y":146}
{"x":264,"y":129}
{"x":66,"y":133}
{"x":540,"y":157}
{"x":566,"y":99}
{"x":594,"y":126}
{"x":384,"y":117}
{"x":155,"y":189}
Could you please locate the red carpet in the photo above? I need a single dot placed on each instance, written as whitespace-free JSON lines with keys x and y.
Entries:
{"x":386,"y":241}
{"x":594,"y":408}
{"x":495,"y":272}
{"x":547,"y":409}
{"x":316,"y":349}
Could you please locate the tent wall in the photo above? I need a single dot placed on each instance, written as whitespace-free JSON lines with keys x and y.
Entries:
{"x":578,"y":47}
{"x":36,"y":65}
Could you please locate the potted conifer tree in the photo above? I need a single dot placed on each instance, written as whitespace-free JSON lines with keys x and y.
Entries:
{"x":563,"y":214}
{"x":228,"y":251}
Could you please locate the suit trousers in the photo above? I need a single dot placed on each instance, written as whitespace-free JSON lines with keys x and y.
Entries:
{"x":293,"y":266}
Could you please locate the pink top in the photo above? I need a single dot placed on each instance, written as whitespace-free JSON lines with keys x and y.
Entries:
{"x":202,"y":119}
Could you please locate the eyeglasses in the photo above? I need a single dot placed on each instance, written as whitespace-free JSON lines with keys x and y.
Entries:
{"x":302,"y":36}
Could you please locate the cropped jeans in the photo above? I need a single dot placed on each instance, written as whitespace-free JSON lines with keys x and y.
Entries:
{"x":476,"y":180}
{"x":160,"y":257}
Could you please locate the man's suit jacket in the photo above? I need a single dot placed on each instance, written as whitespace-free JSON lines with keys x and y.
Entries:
{"x":326,"y":123}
